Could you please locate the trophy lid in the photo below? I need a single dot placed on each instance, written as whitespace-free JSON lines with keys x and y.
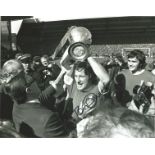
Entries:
{"x":80,"y":34}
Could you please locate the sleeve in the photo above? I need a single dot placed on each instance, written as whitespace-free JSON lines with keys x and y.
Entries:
{"x":55,"y":70}
{"x":47,"y":97}
{"x":55,"y":127}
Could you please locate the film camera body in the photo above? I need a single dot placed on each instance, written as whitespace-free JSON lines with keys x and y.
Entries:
{"x":142,"y":96}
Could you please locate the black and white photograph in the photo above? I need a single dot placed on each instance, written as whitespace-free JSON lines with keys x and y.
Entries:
{"x":69,"y":78}
{"x":77,"y":77}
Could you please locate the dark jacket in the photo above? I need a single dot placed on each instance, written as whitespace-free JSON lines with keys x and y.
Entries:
{"x":32,"y":119}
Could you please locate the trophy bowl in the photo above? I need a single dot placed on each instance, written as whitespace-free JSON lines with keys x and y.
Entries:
{"x":78,"y":51}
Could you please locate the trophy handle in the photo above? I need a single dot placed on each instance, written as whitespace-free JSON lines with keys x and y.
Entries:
{"x":62,"y":42}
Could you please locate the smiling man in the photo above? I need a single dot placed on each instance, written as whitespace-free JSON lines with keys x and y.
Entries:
{"x":86,"y":79}
{"x":89,"y":85}
{"x":128,"y":80}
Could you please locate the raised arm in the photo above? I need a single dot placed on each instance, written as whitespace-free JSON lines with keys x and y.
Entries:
{"x":99,"y":70}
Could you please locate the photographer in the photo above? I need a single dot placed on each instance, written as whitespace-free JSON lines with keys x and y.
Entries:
{"x":127,"y":80}
{"x":25,"y":60}
{"x":50,"y":70}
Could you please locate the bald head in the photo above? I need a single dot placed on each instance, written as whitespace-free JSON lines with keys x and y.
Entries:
{"x":80,"y":34}
{"x":11,"y":68}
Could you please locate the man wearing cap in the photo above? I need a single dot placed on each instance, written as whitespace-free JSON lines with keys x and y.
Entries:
{"x":36,"y":72}
{"x":25,"y":59}
{"x":50,"y":70}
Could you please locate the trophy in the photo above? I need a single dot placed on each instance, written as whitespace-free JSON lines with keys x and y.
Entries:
{"x":78,"y":39}
{"x":78,"y":51}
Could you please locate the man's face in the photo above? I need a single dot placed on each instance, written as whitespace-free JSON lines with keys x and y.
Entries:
{"x":26,"y":67}
{"x":44,"y":62}
{"x":133,"y":64}
{"x":81,"y":79}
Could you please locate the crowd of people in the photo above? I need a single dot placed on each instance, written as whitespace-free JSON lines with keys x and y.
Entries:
{"x":79,"y":97}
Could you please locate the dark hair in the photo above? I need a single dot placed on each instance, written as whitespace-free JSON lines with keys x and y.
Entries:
{"x":120,"y":58}
{"x":139,"y":55}
{"x":87,"y":69}
{"x":45,"y":56}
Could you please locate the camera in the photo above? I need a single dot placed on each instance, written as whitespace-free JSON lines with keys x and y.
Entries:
{"x":46,"y":73}
{"x":142,"y":96}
